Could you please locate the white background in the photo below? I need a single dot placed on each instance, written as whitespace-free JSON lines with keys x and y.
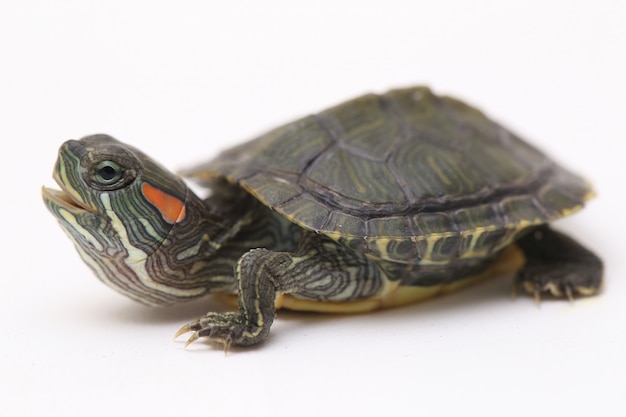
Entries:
{"x":184,"y":79}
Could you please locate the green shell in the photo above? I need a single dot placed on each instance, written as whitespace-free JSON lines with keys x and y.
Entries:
{"x":407,"y":176}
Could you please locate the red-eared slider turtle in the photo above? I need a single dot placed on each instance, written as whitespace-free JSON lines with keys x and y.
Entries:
{"x":379,"y":201}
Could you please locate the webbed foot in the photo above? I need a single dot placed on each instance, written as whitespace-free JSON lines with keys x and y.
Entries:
{"x":568,"y":281}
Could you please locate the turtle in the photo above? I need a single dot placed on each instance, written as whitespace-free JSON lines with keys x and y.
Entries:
{"x":380,"y":201}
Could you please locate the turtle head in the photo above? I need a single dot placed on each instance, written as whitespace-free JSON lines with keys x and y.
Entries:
{"x":137,"y":225}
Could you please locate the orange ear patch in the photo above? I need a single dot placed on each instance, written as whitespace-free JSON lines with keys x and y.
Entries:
{"x":171,"y":208}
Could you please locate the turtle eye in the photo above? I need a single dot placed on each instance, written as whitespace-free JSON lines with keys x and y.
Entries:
{"x":108,"y":173}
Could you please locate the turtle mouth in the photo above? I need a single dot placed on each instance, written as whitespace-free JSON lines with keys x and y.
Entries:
{"x":65,"y":197}
{"x":62,"y":199}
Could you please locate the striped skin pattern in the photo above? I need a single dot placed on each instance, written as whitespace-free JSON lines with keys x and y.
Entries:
{"x":377,"y":202}
{"x":319,"y":271}
{"x":124,"y":230}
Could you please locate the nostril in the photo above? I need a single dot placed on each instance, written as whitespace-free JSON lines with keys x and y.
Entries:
{"x":72,"y":146}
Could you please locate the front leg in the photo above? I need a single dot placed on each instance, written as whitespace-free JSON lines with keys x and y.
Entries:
{"x":320,"y":270}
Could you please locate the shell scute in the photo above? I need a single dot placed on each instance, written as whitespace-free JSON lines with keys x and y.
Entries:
{"x":305,"y":209}
{"x":386,"y":244}
{"x":435,"y":224}
{"x":364,"y":127}
{"x":354,"y":180}
{"x":275,"y":190}
{"x":432,"y":171}
{"x":338,"y":221}
{"x":521,"y":209}
{"x":476,"y":217}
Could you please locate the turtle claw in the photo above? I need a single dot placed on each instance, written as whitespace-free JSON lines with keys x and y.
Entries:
{"x":221,"y":328}
{"x":537,"y":297}
{"x":185,"y":329}
{"x":194,"y":336}
{"x":567,"y":282}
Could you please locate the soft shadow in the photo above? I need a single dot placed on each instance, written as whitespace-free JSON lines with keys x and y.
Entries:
{"x":175,"y":314}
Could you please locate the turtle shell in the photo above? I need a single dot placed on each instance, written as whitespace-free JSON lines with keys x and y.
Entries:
{"x":407,"y":176}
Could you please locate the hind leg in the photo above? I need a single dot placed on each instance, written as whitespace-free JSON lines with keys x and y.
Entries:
{"x":558,"y":265}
